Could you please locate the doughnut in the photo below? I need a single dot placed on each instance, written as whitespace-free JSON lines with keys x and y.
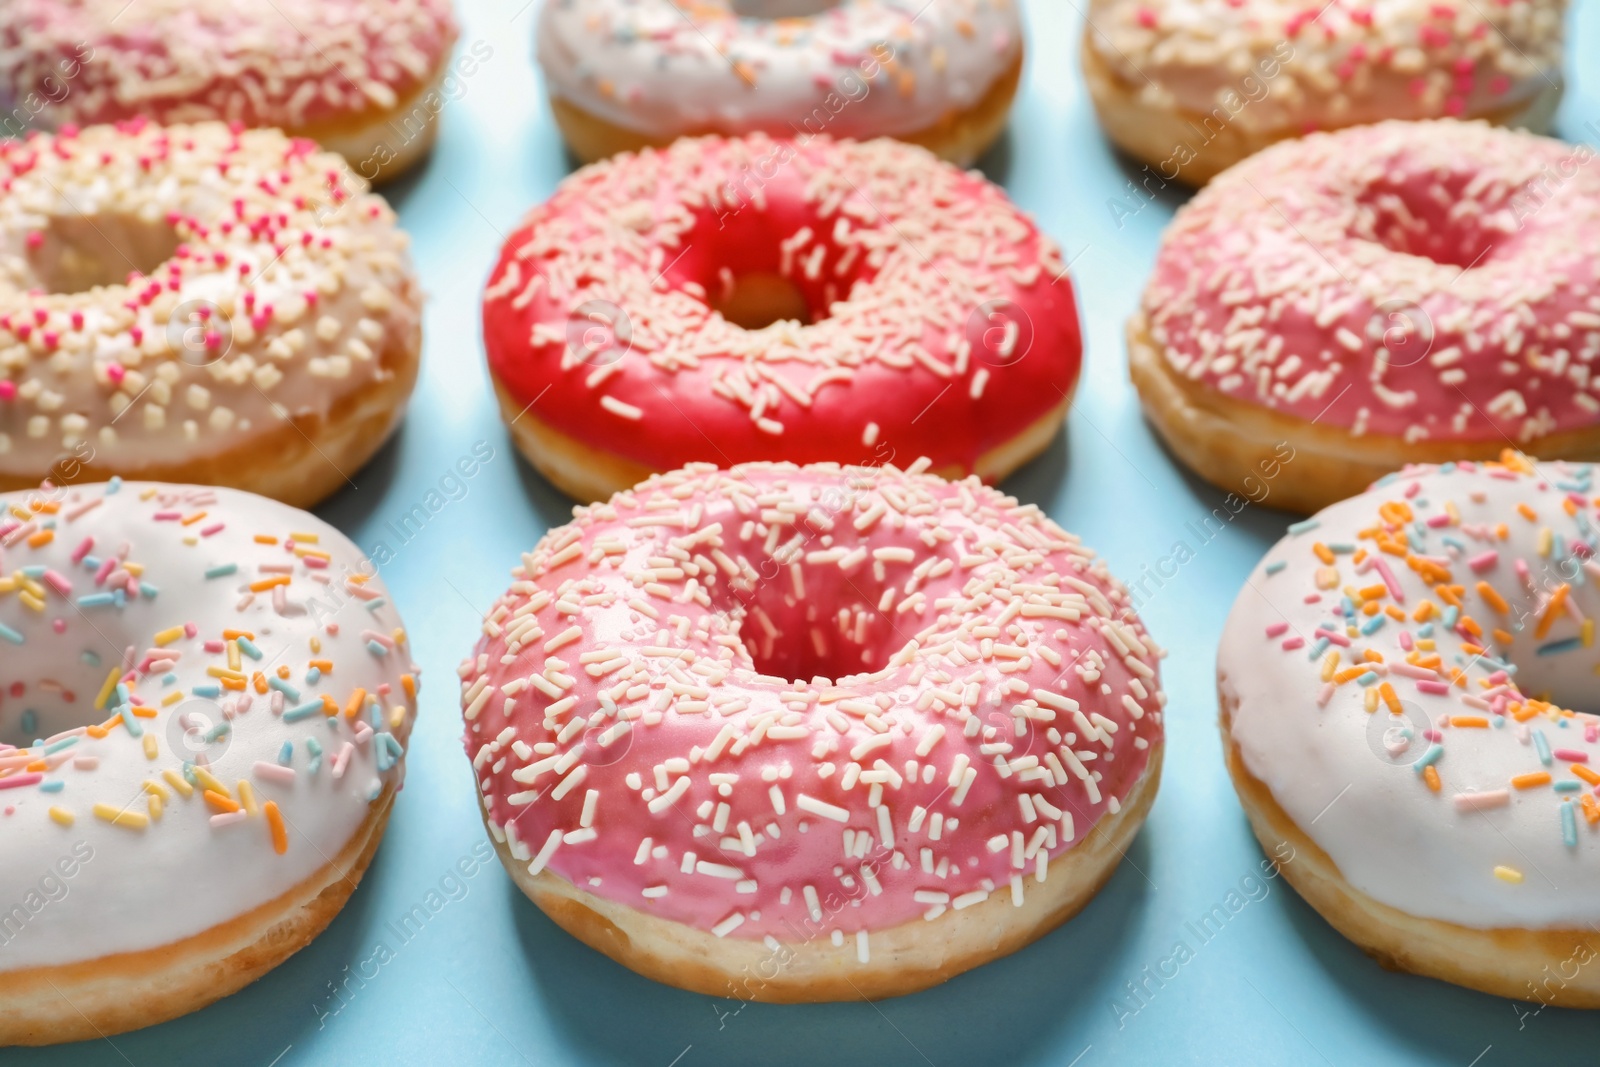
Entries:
{"x":204,"y":713}
{"x":743,"y":300}
{"x":197,"y":304}
{"x":1410,"y":717}
{"x":629,"y":74}
{"x":1190,"y":87}
{"x":811,"y":733}
{"x":359,"y":77}
{"x":1405,"y":292}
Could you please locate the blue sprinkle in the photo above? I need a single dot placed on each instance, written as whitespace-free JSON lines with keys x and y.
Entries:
{"x":96,"y":600}
{"x":36,"y":571}
{"x":91,"y":657}
{"x":91,"y":563}
{"x":304,"y":711}
{"x":1425,"y":630}
{"x":56,"y":785}
{"x":286,"y":753}
{"x":1429,"y":758}
{"x":381,"y":749}
{"x":1370,"y":678}
{"x":374,"y":605}
{"x":188,"y":773}
{"x":1276,"y":566}
{"x":1447,"y":468}
{"x":1567,"y":785}
{"x":7,"y":633}
{"x":1556,"y":648}
{"x":247,"y":647}
{"x":313,"y":675}
{"x":1372,"y":625}
{"x":148,"y":591}
{"x":1497,"y":721}
{"x":1451,"y":615}
{"x":315,"y":748}
{"x":207,"y":690}
{"x":65,"y":742}
{"x":374,"y":791}
{"x":1541,"y":746}
{"x":30,"y":721}
{"x":1569,"y":825}
{"x":283,"y":687}
{"x":113,"y":485}
{"x":218,"y":732}
{"x":131,"y":723}
{"x":1387,"y":479}
{"x":222,"y":570}
{"x":377,"y":649}
{"x":168,"y":678}
{"x":1318,"y":647}
{"x":1341,"y":547}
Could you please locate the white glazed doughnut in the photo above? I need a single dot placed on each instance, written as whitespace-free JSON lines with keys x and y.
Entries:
{"x":197,"y":304}
{"x":626,"y":74}
{"x":1410,"y":707}
{"x":1191,"y":87}
{"x":205,"y":703}
{"x":352,"y":75}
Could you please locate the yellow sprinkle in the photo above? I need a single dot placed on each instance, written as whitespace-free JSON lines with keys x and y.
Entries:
{"x":399,"y":635}
{"x":62,"y":817}
{"x":247,"y":797}
{"x":108,"y":688}
{"x":233,"y":656}
{"x":1371,"y":699}
{"x":155,"y":808}
{"x":172,"y":698}
{"x":1508,"y":874}
{"x":132,"y":820}
{"x":397,"y":715}
{"x":1587,"y":632}
{"x":306,"y":538}
{"x":206,"y":779}
{"x":176,"y":781}
{"x":32,"y":601}
{"x":169,"y":635}
{"x":151,"y":750}
{"x":156,"y":789}
{"x":223,"y":672}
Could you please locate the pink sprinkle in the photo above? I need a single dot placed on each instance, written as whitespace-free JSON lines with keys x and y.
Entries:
{"x":82,"y":550}
{"x":1338,"y":639}
{"x":1146,"y":17}
{"x":1436,"y":688}
{"x":1406,"y":644}
{"x":1277,"y":629}
{"x":1432,"y":734}
{"x":1383,"y":570}
{"x":17,"y":781}
{"x":1436,"y":521}
{"x":1293,"y":643}
{"x":58,"y":583}
{"x":1413,"y":489}
{"x":1484,"y":561}
{"x":214,"y":528}
{"x":190,"y":629}
{"x":274,"y":772}
{"x":167,"y":516}
{"x":1591,"y":732}
{"x":214,"y":647}
{"x":1495,"y":798}
{"x":105,"y":570}
{"x":1572,"y":755}
{"x":116,"y":372}
{"x":8,"y":390}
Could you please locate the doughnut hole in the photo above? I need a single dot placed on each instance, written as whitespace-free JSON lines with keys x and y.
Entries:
{"x":76,"y":253}
{"x":1437,"y":218}
{"x":44,"y":707}
{"x":1564,"y":672}
{"x":824,"y":627}
{"x":739,"y":261}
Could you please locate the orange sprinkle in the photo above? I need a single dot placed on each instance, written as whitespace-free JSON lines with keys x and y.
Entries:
{"x":280,"y":835}
{"x":234,"y":635}
{"x":259,"y":680}
{"x":1528,"y":513}
{"x":1558,"y":600}
{"x":144,"y":712}
{"x":1424,"y":611}
{"x":323,"y":665}
{"x":1585,"y":773}
{"x":409,"y":684}
{"x":1372,"y":655}
{"x":264,"y":539}
{"x":1386,"y":691}
{"x":1492,"y":597}
{"x":1502,"y":637}
{"x":1324,"y":553}
{"x":1395,"y":613}
{"x":192,"y":519}
{"x":262,"y":585}
{"x":1530,"y":781}
{"x":1591,"y":810}
{"x":42,"y":538}
{"x":330,"y":706}
{"x":1431,"y":776}
{"x":357,"y":699}
{"x":96,"y":731}
{"x":225,"y":805}
{"x":1478,"y":721}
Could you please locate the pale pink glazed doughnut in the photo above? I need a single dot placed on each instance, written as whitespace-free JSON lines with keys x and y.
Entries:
{"x":1400,"y":293}
{"x":353,"y":75}
{"x":739,"y":300}
{"x":979,"y":738}
{"x":1191,"y":87}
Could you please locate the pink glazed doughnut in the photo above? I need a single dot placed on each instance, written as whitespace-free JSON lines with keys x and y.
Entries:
{"x":1410,"y":292}
{"x":979,"y":739}
{"x":359,"y":77}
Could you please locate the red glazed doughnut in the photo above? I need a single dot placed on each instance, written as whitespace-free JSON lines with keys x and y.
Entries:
{"x":978,"y":742}
{"x":1410,"y":292}
{"x":895,"y":305}
{"x":359,"y":77}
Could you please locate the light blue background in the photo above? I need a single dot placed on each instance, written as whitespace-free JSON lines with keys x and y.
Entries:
{"x":489,"y":979}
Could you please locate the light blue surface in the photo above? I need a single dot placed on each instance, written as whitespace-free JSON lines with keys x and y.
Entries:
{"x":490,"y":980}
